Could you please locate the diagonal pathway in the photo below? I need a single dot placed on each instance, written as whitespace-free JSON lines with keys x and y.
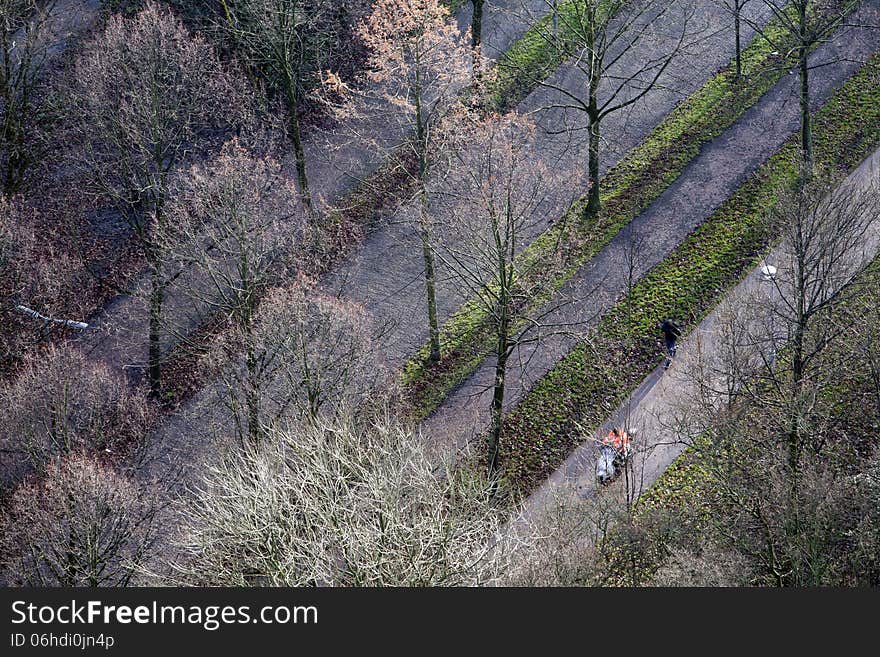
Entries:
{"x":504,"y":21}
{"x":708,"y":180}
{"x":656,"y":406}
{"x":336,"y":165}
{"x":385,"y":274}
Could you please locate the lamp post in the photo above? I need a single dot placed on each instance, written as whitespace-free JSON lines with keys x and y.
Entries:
{"x":768,"y":273}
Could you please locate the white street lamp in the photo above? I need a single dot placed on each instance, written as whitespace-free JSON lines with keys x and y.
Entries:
{"x":768,"y":273}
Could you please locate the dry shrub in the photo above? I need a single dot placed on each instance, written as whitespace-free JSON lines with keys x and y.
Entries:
{"x":62,"y":402}
{"x":340,"y":503}
{"x":83,"y":524}
{"x":37,"y":272}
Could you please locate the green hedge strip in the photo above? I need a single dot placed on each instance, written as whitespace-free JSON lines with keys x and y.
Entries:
{"x":594,"y":379}
{"x":631,"y":186}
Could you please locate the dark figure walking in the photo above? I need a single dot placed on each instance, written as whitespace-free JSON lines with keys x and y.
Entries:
{"x":671,"y":333}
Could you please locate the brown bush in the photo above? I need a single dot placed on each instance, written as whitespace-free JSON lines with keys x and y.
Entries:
{"x":35,"y":271}
{"x":60,"y":403}
{"x":83,"y":524}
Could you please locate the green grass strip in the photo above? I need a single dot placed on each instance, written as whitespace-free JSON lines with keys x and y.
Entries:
{"x":630,"y":187}
{"x":686,"y":490}
{"x":595,"y":378}
{"x":532,"y":58}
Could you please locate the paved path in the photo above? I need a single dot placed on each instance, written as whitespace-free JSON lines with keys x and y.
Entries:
{"x":336,"y":164}
{"x":656,"y":408}
{"x":68,"y":20}
{"x":504,"y":21}
{"x":722,"y":166}
{"x":385,"y":274}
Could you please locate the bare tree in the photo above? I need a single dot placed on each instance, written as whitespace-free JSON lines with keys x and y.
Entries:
{"x":307,"y":355}
{"x":289,"y":43}
{"x":603,"y":33}
{"x":824,"y":231}
{"x":25,"y":37}
{"x":82,"y":525}
{"x":783,"y":396}
{"x":770,"y":347}
{"x":496,"y":196}
{"x":418,"y":65}
{"x":711,"y":565}
{"x":806,"y":24}
{"x":736,"y":8}
{"x":234,"y":228}
{"x":60,"y":402}
{"x":341,"y":503}
{"x":142,"y":98}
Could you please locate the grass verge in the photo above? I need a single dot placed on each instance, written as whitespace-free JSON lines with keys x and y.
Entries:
{"x":686,"y":493}
{"x":633,"y":184}
{"x":596,"y":377}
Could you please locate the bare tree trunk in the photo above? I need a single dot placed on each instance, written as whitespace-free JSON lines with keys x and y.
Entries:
{"x":737,"y":24}
{"x":13,"y":139}
{"x":424,"y":224}
{"x":157,"y":296}
{"x":494,"y":439}
{"x":430,"y":281}
{"x":252,"y":394}
{"x":797,"y":372}
{"x":594,"y":204}
{"x":503,"y":351}
{"x":477,"y":39}
{"x":477,"y":25}
{"x":806,"y":119}
{"x":805,"y":41}
{"x":298,"y":149}
{"x":154,"y":359}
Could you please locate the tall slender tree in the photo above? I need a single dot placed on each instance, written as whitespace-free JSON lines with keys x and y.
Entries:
{"x":498,"y":193}
{"x":84,"y":524}
{"x":604,"y":33}
{"x":288,"y":42}
{"x":418,"y":65}
{"x":235,"y":228}
{"x":25,"y":37}
{"x":350,"y":502}
{"x":143,"y":97}
{"x":736,"y":8}
{"x":807,"y":23}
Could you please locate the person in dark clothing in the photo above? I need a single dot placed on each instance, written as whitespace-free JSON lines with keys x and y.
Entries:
{"x":671,"y":333}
